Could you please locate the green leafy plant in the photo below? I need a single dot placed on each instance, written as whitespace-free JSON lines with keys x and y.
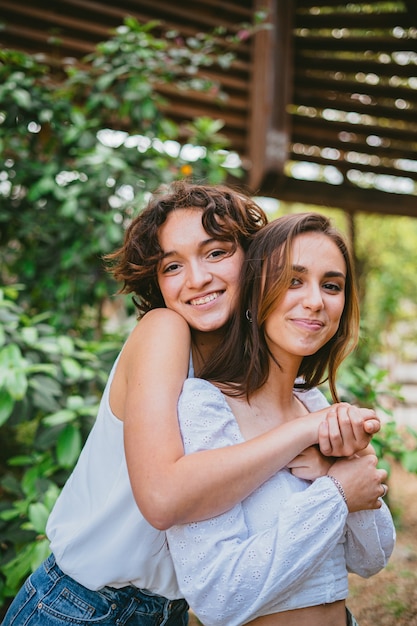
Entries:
{"x":369,"y":386}
{"x":84,"y":146}
{"x":50,"y":386}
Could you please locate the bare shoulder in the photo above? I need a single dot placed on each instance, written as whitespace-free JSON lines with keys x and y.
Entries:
{"x":159,"y":331}
{"x":159,"y":318}
{"x":159,"y":339}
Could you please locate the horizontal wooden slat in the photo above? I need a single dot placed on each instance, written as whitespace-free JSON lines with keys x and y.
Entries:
{"x":319,"y":62}
{"x":352,"y":43}
{"x":92,"y":22}
{"x":308,"y":4}
{"x":307,"y":99}
{"x":343,"y":147}
{"x":325,"y":76}
{"x":318,"y":126}
{"x":320,"y":85}
{"x":347,"y":197}
{"x":345,"y":166}
{"x":345,"y":19}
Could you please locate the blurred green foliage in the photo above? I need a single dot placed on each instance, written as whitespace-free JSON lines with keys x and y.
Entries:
{"x":83,"y":149}
{"x":83,"y":146}
{"x":50,"y":386}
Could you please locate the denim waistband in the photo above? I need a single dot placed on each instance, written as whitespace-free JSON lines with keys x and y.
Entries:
{"x":114,"y":593}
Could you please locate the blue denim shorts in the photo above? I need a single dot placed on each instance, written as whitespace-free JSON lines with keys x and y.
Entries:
{"x":50,"y":598}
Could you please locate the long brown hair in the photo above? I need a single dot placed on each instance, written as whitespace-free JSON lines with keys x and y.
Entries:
{"x":227,"y":215}
{"x":242,"y":362}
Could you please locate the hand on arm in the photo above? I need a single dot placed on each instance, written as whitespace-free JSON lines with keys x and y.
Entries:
{"x":361,"y":481}
{"x":310,"y":464}
{"x":347,"y":430}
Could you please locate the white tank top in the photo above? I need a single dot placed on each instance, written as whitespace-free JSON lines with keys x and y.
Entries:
{"x":96,"y":531}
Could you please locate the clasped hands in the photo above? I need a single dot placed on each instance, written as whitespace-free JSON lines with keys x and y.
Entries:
{"x":344,"y":451}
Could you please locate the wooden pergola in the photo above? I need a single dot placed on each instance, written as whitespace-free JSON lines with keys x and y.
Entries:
{"x":322,"y":106}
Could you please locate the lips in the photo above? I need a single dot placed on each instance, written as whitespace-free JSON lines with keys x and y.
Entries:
{"x":205,"y":299}
{"x":308,"y":323}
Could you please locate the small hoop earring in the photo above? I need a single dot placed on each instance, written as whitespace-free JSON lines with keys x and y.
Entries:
{"x":248,"y":315}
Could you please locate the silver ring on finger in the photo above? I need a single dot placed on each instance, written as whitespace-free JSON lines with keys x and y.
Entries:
{"x":385,"y":488}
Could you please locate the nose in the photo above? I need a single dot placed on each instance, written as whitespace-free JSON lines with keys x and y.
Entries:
{"x":313,"y":298}
{"x":197,"y":275}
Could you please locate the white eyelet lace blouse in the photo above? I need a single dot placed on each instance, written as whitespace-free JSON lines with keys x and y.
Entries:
{"x":289,"y":545}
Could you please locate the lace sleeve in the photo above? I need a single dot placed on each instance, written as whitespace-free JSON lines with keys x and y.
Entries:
{"x":370,"y":540}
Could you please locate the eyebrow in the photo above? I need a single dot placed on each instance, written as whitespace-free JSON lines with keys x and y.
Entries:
{"x":330,"y":274}
{"x":201,"y":245}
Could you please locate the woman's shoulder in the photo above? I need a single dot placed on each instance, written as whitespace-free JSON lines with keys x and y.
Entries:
{"x":313,"y":399}
{"x":160,"y":326}
{"x":158,"y":345}
{"x":202,"y":387}
{"x":206,"y":420}
{"x":161,"y":317}
{"x":200,"y":394}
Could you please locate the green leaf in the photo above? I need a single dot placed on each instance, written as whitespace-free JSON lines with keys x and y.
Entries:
{"x":38,"y":516}
{"x":18,"y":568}
{"x":30,"y":335}
{"x":385,"y":464}
{"x":409,"y":461}
{"x":51,"y":496}
{"x":69,"y":446}
{"x":17,"y":384}
{"x":29,"y":480}
{"x":6,"y":406}
{"x":66,"y":344}
{"x":21,"y":460}
{"x":75,"y":403}
{"x":9,"y":515}
{"x":60,"y":417}
{"x":71,"y":368}
{"x":40,"y":552}
{"x":23,"y":98}
{"x":10,"y":355}
{"x":48,"y":345}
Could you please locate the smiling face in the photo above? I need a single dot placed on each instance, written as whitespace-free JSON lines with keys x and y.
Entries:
{"x":198,"y":275}
{"x":309,"y":313}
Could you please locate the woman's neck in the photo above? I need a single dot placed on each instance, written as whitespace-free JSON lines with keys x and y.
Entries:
{"x":270,"y":406}
{"x":281,"y":377}
{"x":203,"y":346}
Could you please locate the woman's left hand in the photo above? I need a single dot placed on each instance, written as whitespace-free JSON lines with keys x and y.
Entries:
{"x":347,"y":430}
{"x":310,"y":464}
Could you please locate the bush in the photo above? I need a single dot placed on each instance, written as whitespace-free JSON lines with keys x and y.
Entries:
{"x":83,"y":150}
{"x":82,"y":146}
{"x":50,"y":387}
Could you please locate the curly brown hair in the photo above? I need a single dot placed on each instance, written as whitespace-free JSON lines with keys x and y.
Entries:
{"x":227,"y":215}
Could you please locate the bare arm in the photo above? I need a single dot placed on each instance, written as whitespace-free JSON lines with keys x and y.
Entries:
{"x":171,"y":488}
{"x":168,"y":486}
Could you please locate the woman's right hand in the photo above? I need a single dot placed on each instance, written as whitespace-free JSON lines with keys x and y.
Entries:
{"x":362,"y":482}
